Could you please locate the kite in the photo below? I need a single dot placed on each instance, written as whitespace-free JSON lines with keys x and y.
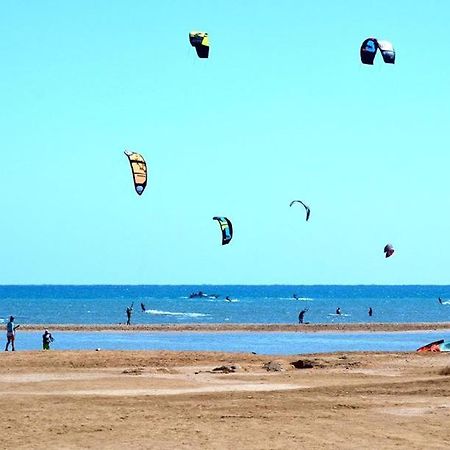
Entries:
{"x":139,"y":170}
{"x":227,"y":229}
{"x":369,"y":49}
{"x":199,"y":40}
{"x":387,"y":51}
{"x":308,"y":211}
{"x":388,"y":250}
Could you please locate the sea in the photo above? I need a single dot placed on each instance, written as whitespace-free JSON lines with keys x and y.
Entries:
{"x":227,"y":304}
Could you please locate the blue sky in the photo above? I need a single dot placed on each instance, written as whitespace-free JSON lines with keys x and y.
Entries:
{"x":282,"y":109}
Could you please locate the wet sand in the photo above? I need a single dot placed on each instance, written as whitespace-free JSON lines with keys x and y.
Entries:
{"x":167,"y":400}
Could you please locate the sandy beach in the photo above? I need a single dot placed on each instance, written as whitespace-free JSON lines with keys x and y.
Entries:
{"x":205,"y":400}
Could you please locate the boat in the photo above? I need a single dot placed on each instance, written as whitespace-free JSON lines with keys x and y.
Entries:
{"x":198,"y":294}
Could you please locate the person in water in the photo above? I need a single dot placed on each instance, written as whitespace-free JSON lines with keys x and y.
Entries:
{"x":47,"y":338}
{"x":370,"y":311}
{"x":129,"y":312}
{"x":143,"y":307}
{"x":338,"y":311}
{"x":295,"y":296}
{"x":440,"y":300}
{"x":301,"y":315}
{"x":11,"y":334}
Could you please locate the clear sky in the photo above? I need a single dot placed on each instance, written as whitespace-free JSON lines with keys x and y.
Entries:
{"x":283,"y":109}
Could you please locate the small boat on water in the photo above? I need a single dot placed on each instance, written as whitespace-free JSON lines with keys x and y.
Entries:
{"x":201,"y":294}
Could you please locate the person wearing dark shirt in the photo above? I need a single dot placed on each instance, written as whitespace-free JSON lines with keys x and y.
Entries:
{"x":301,"y":315}
{"x":47,"y":338}
{"x":129,"y":312}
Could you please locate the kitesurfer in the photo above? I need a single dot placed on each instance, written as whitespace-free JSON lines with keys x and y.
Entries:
{"x":370,"y":311}
{"x":295,"y":296}
{"x":440,"y":300}
{"x":338,"y":311}
{"x":143,"y":307}
{"x":47,"y":338}
{"x":129,"y":312}
{"x":11,"y":333}
{"x":301,"y":315}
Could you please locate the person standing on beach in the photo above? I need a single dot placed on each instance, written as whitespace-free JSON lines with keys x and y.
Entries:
{"x":11,"y":333}
{"x":301,"y":316}
{"x":46,"y":339}
{"x":129,"y":312}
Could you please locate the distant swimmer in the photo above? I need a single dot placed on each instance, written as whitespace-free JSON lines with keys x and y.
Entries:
{"x":143,"y":307}
{"x":370,"y":312}
{"x":301,"y":315}
{"x":338,"y":311}
{"x":295,"y":296}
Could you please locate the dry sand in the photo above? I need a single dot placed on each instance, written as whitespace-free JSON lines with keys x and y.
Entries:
{"x":174,"y":400}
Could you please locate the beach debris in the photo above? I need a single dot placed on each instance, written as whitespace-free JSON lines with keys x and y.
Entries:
{"x":165,"y":370}
{"x":388,"y":250}
{"x":308,"y":211}
{"x":133,"y":371}
{"x":199,"y":40}
{"x":273,"y":366}
{"x":226,"y":228}
{"x":302,"y":364}
{"x":226,"y":369}
{"x":369,"y":49}
{"x":138,"y":170}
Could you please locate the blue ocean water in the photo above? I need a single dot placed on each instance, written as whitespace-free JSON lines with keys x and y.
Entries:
{"x":267,"y":343}
{"x":272,"y":304}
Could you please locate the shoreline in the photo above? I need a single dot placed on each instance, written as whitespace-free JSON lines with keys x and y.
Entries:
{"x":214,"y":328}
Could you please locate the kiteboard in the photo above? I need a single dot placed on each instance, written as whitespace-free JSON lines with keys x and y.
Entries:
{"x":435,"y":346}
